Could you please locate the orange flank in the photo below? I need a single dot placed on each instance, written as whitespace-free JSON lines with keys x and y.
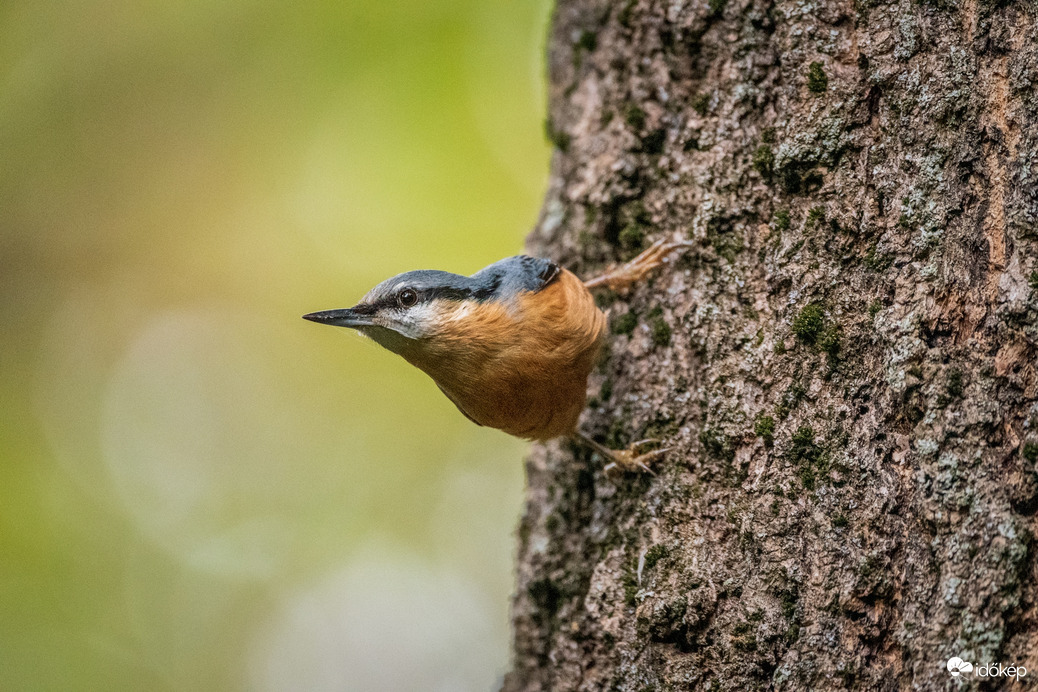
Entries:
{"x":521,"y":365}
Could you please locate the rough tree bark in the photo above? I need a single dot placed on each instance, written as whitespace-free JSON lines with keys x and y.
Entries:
{"x":844,"y":364}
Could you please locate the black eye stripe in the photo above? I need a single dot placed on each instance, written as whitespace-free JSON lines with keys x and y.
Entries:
{"x":365,"y":309}
{"x":500,"y":280}
{"x":447,"y":293}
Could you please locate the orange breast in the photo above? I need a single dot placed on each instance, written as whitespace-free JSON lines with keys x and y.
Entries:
{"x":521,"y":368}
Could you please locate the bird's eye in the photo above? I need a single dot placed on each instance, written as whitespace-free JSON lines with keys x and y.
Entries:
{"x":407,"y":297}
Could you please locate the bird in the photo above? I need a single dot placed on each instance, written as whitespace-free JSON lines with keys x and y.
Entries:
{"x":512,"y":346}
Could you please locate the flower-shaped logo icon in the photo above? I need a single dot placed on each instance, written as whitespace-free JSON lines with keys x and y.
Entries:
{"x":956,"y":666}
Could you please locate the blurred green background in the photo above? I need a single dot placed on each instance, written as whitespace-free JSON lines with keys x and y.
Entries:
{"x":198,"y":489}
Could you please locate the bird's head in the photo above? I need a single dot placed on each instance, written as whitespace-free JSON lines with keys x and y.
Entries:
{"x":418,"y":311}
{"x":403,"y":311}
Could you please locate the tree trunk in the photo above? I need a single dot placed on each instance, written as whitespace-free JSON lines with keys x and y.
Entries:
{"x":844,"y":363}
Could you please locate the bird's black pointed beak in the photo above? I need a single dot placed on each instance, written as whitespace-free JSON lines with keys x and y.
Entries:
{"x":346,"y":317}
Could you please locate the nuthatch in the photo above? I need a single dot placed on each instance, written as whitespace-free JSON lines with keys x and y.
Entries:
{"x":512,"y":345}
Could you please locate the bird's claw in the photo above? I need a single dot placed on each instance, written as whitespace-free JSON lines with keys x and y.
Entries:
{"x":639,"y":267}
{"x":625,"y":460}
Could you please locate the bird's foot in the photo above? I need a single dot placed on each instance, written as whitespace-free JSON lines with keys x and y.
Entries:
{"x":638,"y":268}
{"x":625,"y":460}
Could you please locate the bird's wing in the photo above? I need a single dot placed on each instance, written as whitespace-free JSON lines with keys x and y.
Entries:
{"x":505,"y":278}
